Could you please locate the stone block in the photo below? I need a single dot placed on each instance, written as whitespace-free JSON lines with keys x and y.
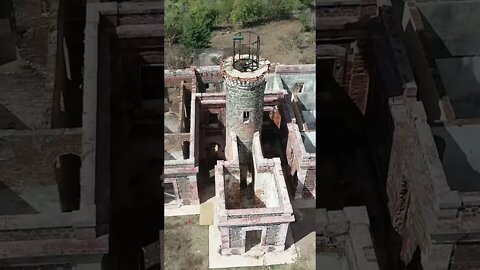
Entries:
{"x":321,"y":218}
{"x":470,"y":199}
{"x":450,"y":201}
{"x":357,"y":214}
{"x":448,"y":213}
{"x":336,"y":216}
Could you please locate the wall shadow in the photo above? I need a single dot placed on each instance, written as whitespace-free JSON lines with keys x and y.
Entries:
{"x":12,"y":204}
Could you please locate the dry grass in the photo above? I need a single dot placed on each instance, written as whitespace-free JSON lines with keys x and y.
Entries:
{"x":272,"y":36}
{"x":186,"y":247}
{"x":185,"y":243}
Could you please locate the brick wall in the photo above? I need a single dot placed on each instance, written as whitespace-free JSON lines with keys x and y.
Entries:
{"x":175,"y":77}
{"x":359,"y":83}
{"x":173,"y":142}
{"x":187,"y":191}
{"x":302,"y":164}
{"x":40,"y":267}
{"x":407,"y":185}
{"x":37,"y":234}
{"x":346,"y":232}
{"x":236,"y":238}
{"x":346,"y":15}
{"x":32,"y":155}
{"x":310,"y":183}
{"x":238,"y":101}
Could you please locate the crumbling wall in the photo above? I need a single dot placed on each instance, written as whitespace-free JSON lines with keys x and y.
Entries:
{"x":232,"y":188}
{"x":32,"y":154}
{"x":359,"y":84}
{"x":423,"y":209}
{"x":174,"y":142}
{"x":309,"y":190}
{"x":273,"y":238}
{"x":22,"y":95}
{"x":38,"y":234}
{"x":234,"y":223}
{"x":407,"y":197}
{"x":332,"y":15}
{"x":208,"y":75}
{"x":175,"y":77}
{"x":63,"y":266}
{"x":38,"y":43}
{"x":186,"y":188}
{"x":346,"y":232}
{"x":302,"y":164}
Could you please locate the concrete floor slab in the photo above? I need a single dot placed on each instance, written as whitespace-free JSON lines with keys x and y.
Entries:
{"x":206,"y":213}
{"x":464,"y":97}
{"x":216,"y":260}
{"x":461,"y":156}
{"x":187,"y":210}
{"x":303,"y":203}
{"x":184,"y":210}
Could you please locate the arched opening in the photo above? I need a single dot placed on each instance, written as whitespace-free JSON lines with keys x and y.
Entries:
{"x":67,"y":175}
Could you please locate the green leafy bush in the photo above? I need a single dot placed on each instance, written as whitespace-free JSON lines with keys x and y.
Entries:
{"x":247,"y":12}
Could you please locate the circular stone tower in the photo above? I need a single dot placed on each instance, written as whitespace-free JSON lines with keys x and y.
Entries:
{"x":244,"y":81}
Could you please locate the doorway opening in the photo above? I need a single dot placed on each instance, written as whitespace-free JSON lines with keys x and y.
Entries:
{"x":253,"y":239}
{"x":67,"y":172}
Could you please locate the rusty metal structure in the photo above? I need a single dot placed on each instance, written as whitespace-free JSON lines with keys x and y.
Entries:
{"x":246,"y":51}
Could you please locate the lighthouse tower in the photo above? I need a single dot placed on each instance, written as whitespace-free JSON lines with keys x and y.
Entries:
{"x":244,"y":80}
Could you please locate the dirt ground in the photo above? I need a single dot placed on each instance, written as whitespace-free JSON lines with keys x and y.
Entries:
{"x":186,"y":245}
{"x":281,"y":42}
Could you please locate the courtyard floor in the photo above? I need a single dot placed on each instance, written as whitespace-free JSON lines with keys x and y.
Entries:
{"x":186,"y":244}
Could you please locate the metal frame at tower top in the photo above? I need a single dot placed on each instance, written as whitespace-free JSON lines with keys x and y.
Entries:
{"x":246,"y":51}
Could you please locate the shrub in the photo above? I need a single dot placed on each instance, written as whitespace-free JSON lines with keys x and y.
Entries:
{"x":198,"y":27}
{"x":247,"y":12}
{"x":307,"y":21}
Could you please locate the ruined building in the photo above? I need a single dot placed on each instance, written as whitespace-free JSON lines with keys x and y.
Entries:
{"x":254,"y":207}
{"x":420,"y":121}
{"x":434,"y":170}
{"x":344,"y":239}
{"x":60,"y":113}
{"x":243,"y":133}
{"x":359,"y":63}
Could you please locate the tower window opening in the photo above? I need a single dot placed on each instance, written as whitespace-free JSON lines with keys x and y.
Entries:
{"x":246,"y":116}
{"x":213,"y":121}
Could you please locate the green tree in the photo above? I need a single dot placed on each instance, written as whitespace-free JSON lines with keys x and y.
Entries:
{"x":306,"y":19}
{"x":199,"y":25}
{"x":224,"y":9}
{"x":196,"y":36}
{"x":247,"y":12}
{"x":203,"y":13}
{"x":174,"y":17}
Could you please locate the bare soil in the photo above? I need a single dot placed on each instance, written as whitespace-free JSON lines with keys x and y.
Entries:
{"x":185,"y":243}
{"x":281,"y":42}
